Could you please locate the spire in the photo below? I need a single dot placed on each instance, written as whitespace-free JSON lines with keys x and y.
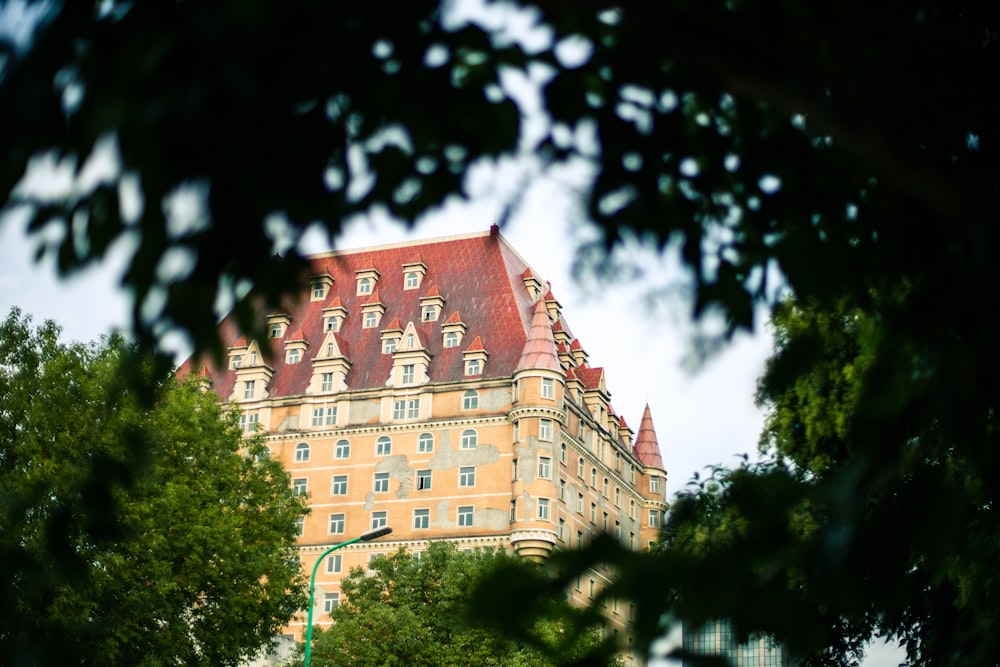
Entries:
{"x":540,"y":347}
{"x":647,"y":449}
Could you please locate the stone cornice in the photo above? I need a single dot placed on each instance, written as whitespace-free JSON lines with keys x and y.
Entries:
{"x":370,"y":429}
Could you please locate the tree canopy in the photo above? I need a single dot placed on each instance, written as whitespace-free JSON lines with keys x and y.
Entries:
{"x":188,"y":559}
{"x":848,"y":147}
{"x":411,"y":610}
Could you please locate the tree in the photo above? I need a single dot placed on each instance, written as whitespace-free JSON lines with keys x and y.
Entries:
{"x":188,"y":559}
{"x":412,"y":611}
{"x":852,"y":148}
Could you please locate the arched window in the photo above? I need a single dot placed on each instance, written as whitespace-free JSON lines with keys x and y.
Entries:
{"x":301,"y":452}
{"x":383,"y":446}
{"x":469,"y":439}
{"x":472,"y":367}
{"x":342,"y":450}
{"x":365,"y":286}
{"x":425,"y":443}
{"x":451,"y":339}
{"x":470,"y":400}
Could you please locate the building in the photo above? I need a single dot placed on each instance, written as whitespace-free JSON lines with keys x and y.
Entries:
{"x":717,"y":638}
{"x":436,"y":387}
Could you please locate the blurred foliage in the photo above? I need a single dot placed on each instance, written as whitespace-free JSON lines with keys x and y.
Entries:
{"x":410,"y":610}
{"x":185,"y":559}
{"x":846,"y":147}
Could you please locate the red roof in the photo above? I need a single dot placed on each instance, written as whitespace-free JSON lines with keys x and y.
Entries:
{"x":454,"y":319}
{"x":540,"y":348}
{"x":476,"y":345}
{"x":481,"y":274}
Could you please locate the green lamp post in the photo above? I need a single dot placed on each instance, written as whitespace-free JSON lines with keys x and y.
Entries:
{"x":365,"y":537}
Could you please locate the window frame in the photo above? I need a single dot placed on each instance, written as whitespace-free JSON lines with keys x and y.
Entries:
{"x":470,"y":400}
{"x":383,"y":446}
{"x":380,"y":483}
{"x":338,"y":485}
{"x":469,"y":439}
{"x":379,"y":519}
{"x":467,"y":477}
{"x":302,"y":452}
{"x":543,"y":510}
{"x":423,"y":479}
{"x":545,"y":429}
{"x":421,"y":519}
{"x":464,"y":516}
{"x":409,"y":373}
{"x":548,"y":388}
{"x":342,"y":450}
{"x":425,"y":443}
{"x":544,"y":467}
{"x":336,"y":523}
{"x":300,"y":486}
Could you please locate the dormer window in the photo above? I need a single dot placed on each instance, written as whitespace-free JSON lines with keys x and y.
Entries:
{"x":410,"y":341}
{"x":413,"y":274}
{"x":253,"y":358}
{"x":329,"y":349}
{"x":275,"y":330}
{"x":475,"y":357}
{"x":473,"y":367}
{"x":431,"y":305}
{"x":388,"y":346}
{"x":371,"y":320}
{"x":451,"y":339}
{"x":319,"y":286}
{"x":332,"y":323}
{"x":293,"y":356}
{"x":236,"y":361}
{"x":366,"y":280}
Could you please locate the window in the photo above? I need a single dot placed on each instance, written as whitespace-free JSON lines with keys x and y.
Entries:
{"x":421,"y":519}
{"x":275,"y":330}
{"x":579,"y":466}
{"x":365,"y":286}
{"x":631,"y":473}
{"x":317,"y":417}
{"x":618,"y":497}
{"x":327,"y":382}
{"x":339,"y":485}
{"x":342,"y":450}
{"x":465,"y":515}
{"x":300,"y":524}
{"x":548,"y":388}
{"x":618,"y":462}
{"x":654,"y":518}
{"x":473,"y":367}
{"x":429,"y":314}
{"x":383,"y":446}
{"x":398,"y":409}
{"x":467,"y":476}
{"x":618,"y":530}
{"x":371,"y":320}
{"x":413,"y":408}
{"x":408,"y":374}
{"x":562,"y":453}
{"x":411,"y":340}
{"x":590,"y":590}
{"x":654,"y":484}
{"x":544,"y":467}
{"x":469,"y":439}
{"x":514,"y":470}
{"x":579,"y":503}
{"x":517,"y":431}
{"x":253,"y":358}
{"x":605,"y":523}
{"x":334,"y":563}
{"x":631,"y":509}
{"x":388,"y":346}
{"x":543,"y":508}
{"x":331,"y":415}
{"x":579,"y":543}
{"x":423,"y":480}
{"x":336,"y":524}
{"x":293,"y":356}
{"x":378,"y":520}
{"x":329,"y":349}
{"x":248,"y":389}
{"x":451,"y":339}
{"x":381,"y":482}
{"x":544,"y":429}
{"x":332,"y":323}
{"x":604,"y":491}
{"x":318,"y":290}
{"x":593,"y":512}
{"x":330,"y":602}
{"x":513,"y":510}
{"x":562,"y":529}
{"x":301,"y":452}
{"x":562,"y":489}
{"x":237,"y":360}
{"x":300,"y":486}
{"x":593,"y":477}
{"x":249,"y":422}
{"x":470,"y":400}
{"x":425,"y":443}
{"x":412,"y":279}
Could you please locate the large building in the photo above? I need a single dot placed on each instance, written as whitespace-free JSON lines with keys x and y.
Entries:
{"x":437,"y":388}
{"x":716,"y":638}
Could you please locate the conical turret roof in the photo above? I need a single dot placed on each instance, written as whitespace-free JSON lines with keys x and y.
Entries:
{"x":647,"y":449}
{"x":540,"y":347}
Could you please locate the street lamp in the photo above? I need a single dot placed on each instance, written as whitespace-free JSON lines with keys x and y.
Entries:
{"x":365,"y":537}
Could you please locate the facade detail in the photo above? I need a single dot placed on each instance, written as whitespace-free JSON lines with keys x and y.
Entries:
{"x":466,"y":410}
